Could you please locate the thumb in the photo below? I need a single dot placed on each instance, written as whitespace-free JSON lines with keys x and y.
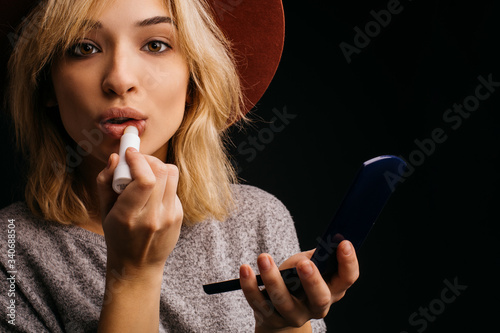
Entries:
{"x":348,"y":268}
{"x":107,"y":196}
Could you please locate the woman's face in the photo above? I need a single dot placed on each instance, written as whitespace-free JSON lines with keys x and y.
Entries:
{"x":128,"y":70}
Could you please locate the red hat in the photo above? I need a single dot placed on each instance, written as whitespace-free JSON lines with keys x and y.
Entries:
{"x":256,"y":29}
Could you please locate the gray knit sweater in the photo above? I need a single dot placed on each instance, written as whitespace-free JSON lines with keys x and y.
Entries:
{"x":56,"y":282}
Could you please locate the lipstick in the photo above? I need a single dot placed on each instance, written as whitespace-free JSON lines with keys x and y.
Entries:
{"x":122,"y":176}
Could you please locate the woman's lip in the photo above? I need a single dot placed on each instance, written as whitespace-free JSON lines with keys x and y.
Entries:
{"x":116,"y":130}
{"x":126,"y":112}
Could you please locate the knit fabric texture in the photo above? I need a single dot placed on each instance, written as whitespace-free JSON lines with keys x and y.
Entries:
{"x":59,"y":270}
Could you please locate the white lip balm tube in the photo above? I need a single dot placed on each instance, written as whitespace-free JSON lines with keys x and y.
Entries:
{"x":122,"y":176}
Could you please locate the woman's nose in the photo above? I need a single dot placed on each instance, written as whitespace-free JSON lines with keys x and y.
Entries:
{"x":119,"y":76}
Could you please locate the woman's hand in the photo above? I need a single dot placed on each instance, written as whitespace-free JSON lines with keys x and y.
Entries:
{"x":141,"y":227}
{"x":283,"y":310}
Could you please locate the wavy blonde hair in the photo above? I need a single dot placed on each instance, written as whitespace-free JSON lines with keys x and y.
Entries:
{"x":197,"y":148}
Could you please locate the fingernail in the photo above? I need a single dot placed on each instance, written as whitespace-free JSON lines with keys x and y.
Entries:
{"x":347,"y":249}
{"x":244,"y":272}
{"x":132,"y":149}
{"x":109,"y":163}
{"x":264,"y":263}
{"x":306,"y":269}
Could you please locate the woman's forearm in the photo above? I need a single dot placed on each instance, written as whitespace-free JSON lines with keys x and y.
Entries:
{"x":131,"y":303}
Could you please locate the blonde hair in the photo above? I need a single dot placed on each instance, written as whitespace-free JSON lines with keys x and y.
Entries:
{"x":54,"y":191}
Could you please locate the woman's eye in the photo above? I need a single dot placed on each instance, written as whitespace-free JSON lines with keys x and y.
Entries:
{"x":156,"y":47}
{"x":83,"y":49}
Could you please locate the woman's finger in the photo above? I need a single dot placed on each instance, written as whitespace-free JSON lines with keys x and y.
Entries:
{"x":296,"y":258}
{"x":170,"y":198}
{"x":319,"y":297}
{"x":293,"y":311}
{"x":161,"y":173}
{"x":138,"y":192}
{"x":261,"y":306}
{"x":348,"y":270}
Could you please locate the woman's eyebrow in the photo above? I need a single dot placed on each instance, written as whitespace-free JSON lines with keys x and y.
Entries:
{"x":154,"y":20}
{"x":147,"y":22}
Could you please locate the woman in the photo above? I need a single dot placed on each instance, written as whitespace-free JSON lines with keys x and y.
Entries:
{"x":88,"y":259}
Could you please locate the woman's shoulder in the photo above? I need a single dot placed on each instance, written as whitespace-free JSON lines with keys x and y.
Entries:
{"x":254,"y":205}
{"x":31,"y":229}
{"x":16,"y":208}
{"x":251,"y":196}
{"x":27,"y":226}
{"x":17,"y":214}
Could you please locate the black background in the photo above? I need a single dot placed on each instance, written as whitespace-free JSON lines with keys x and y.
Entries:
{"x":442,"y":222}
